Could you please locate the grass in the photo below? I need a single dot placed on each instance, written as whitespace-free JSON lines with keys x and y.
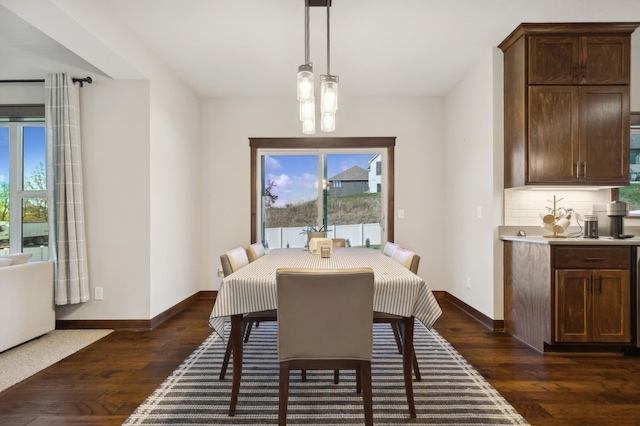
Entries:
{"x":355,"y":208}
{"x":631,"y":194}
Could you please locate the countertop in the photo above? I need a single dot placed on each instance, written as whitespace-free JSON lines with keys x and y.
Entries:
{"x":578,"y":241}
{"x":534,"y":236}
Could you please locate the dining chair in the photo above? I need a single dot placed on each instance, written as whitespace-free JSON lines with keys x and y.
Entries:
{"x":312,"y":305}
{"x":255,"y":251}
{"x":389,"y":248}
{"x":339,"y":242}
{"x":411,"y":261}
{"x":231,"y":261}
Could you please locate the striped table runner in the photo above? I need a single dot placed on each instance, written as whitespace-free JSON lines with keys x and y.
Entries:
{"x":252,"y":288}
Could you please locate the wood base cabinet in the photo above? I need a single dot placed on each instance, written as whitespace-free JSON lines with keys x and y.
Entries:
{"x":592,"y":306}
{"x":560,"y":296}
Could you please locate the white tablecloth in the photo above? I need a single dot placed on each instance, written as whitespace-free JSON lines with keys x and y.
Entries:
{"x":252,"y":288}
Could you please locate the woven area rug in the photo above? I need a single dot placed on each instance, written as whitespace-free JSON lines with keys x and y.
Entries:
{"x":35,"y":355}
{"x":451,"y":392}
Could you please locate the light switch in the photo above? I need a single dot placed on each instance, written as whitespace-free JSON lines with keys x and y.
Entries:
{"x":479,"y":213}
{"x":401,"y":214}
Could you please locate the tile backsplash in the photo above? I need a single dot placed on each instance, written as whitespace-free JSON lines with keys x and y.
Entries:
{"x":522,"y":207}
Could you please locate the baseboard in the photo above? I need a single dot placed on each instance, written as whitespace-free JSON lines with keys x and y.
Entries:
{"x":494,"y":325}
{"x":136,"y":325}
{"x":143,"y":325}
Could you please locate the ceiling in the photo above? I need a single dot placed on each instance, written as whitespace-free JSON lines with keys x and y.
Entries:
{"x":242,"y":48}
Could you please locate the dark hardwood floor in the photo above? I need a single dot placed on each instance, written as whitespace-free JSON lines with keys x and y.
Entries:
{"x":104,"y":383}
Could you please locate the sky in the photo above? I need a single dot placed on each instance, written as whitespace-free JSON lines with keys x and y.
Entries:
{"x":34,"y":150}
{"x":296,"y":176}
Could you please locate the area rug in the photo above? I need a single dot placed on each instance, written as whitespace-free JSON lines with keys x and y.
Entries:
{"x":451,"y":392}
{"x":23,"y":361}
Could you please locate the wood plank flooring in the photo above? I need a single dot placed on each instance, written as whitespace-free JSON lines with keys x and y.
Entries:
{"x":104,"y":383}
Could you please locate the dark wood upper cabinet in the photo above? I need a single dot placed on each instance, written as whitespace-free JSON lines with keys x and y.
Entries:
{"x":566,"y":93}
{"x":579,"y":59}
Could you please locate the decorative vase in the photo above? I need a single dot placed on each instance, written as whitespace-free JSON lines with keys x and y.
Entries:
{"x":315,"y":234}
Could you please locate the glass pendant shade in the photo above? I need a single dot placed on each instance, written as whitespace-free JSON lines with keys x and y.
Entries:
{"x":329,"y":94}
{"x":305,"y":82}
{"x":309,"y":125}
{"x":307,"y":109}
{"x":328,"y":122}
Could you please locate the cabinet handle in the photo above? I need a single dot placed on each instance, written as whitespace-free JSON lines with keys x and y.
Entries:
{"x":584,"y":169}
{"x":600,"y":284}
{"x":577,"y":169}
{"x":593,"y":259}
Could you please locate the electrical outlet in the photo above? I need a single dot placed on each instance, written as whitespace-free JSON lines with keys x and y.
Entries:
{"x":468,"y":282}
{"x":98,"y":293}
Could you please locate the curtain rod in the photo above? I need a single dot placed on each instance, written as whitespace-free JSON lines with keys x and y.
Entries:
{"x":88,"y":80}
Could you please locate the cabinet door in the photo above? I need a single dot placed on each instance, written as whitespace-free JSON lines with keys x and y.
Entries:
{"x":611,"y":306}
{"x":604,"y":135}
{"x":605,"y":59}
{"x":552,"y":143}
{"x":553,"y":59}
{"x":572,"y":305}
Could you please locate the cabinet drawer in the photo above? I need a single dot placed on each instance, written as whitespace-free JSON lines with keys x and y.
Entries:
{"x":570,"y":257}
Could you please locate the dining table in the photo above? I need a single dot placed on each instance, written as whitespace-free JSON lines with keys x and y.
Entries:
{"x":252,"y":288}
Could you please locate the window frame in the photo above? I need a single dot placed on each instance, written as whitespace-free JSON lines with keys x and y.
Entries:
{"x":634,"y":123}
{"x":387,"y":143}
{"x":16,"y":118}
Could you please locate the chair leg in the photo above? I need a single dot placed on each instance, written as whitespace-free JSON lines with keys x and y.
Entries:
{"x":336,"y":377}
{"x":359,"y":380}
{"x":303,"y":375}
{"x":225,"y":361}
{"x":248,"y":327}
{"x":283,"y":397}
{"x":396,"y":333}
{"x":416,"y":367}
{"x":367,"y":396}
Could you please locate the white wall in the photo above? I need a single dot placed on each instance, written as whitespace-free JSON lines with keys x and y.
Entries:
{"x":227,"y":125}
{"x":142,"y":158}
{"x":115,"y":152}
{"x":469,"y":182}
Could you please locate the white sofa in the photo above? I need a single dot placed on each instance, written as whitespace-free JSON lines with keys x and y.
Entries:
{"x":27,"y":310}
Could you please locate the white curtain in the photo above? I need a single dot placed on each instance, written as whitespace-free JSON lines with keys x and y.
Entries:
{"x":67,"y":241}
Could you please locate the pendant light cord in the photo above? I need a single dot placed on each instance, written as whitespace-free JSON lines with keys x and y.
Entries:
{"x":328,"y":40}
{"x":306,"y":35}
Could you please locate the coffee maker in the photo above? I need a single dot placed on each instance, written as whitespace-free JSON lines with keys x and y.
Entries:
{"x":610,"y":218}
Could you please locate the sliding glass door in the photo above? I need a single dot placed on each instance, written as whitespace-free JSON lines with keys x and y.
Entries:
{"x":336,"y":191}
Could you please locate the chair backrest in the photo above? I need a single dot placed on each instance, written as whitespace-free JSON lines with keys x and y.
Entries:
{"x":339,"y":242}
{"x":325,"y":314}
{"x":389,"y":248}
{"x":255,"y":251}
{"x":233,"y":260}
{"x":407,"y":258}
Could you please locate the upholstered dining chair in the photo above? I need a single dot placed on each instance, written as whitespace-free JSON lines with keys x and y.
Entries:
{"x":231,"y":261}
{"x":389,"y":248}
{"x":255,"y":251}
{"x":312,"y":305}
{"x":411,"y":261}
{"x":339,"y":242}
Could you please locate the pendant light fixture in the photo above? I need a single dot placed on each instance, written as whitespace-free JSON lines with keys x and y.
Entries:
{"x":328,"y":87}
{"x":306,"y":83}
{"x":328,"y":83}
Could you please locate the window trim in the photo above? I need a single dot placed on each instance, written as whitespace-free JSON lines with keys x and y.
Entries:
{"x":21,"y":116}
{"x":634,"y":123}
{"x":322,"y":143}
